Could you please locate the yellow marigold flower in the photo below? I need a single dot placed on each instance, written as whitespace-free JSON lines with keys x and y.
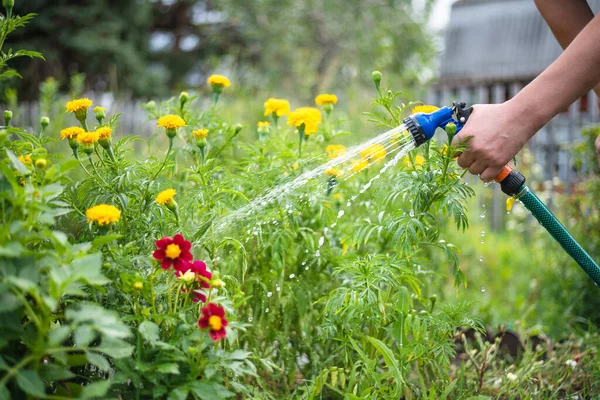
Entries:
{"x":335,"y":172}
{"x":166,"y":196}
{"x":426,"y":109}
{"x":26,"y":159}
{"x":374,"y":152}
{"x":78,"y":105}
{"x":279,"y":107}
{"x":335,"y":150}
{"x":419,"y":161}
{"x":200,"y":133}
{"x":359,"y":165}
{"x":103,"y":214}
{"x":308,"y":116}
{"x":263,"y":124}
{"x":218,"y":80}
{"x":71,"y":133}
{"x":104,"y":132}
{"x":88,"y":137}
{"x":171,"y":122}
{"x":337,"y":196}
{"x":326,"y":98}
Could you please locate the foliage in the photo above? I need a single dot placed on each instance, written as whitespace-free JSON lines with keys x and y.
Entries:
{"x":322,"y":291}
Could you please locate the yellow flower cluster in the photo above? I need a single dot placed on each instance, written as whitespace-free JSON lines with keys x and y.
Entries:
{"x":218,"y":80}
{"x":279,"y":107}
{"x":103,"y":214}
{"x":171,"y":122}
{"x":26,"y":159}
{"x":426,"y":109}
{"x":78,"y":105}
{"x":373,"y":153}
{"x":104,"y":132}
{"x":166,"y":196}
{"x":359,"y":165}
{"x":419,"y":161}
{"x":200,"y":133}
{"x":71,"y":133}
{"x":87,"y":138}
{"x":335,"y":150}
{"x":335,"y":172}
{"x":308,"y":116}
{"x":326,"y":99}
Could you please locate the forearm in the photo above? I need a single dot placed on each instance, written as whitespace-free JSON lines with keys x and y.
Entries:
{"x":566,"y":20}
{"x":567,"y":79}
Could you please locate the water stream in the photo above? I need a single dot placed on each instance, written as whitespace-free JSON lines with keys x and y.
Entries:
{"x":397,"y":142}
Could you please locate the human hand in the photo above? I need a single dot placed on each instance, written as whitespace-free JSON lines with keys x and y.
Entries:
{"x":498,"y":132}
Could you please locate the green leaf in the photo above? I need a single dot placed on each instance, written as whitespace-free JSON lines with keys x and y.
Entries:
{"x":98,"y":360}
{"x":58,"y":335}
{"x":84,"y":335}
{"x":210,"y":390}
{"x":169,"y":368}
{"x":102,"y":240}
{"x":9,"y":302}
{"x":4,"y":393}
{"x":95,"y":390}
{"x":149,"y":331}
{"x":178,"y":394}
{"x":115,"y":348}
{"x":68,"y":165}
{"x":19,"y":166}
{"x":53,"y":372}
{"x":388,"y":357}
{"x":30,"y":383}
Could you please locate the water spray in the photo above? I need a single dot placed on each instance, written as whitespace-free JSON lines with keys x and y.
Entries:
{"x":422,"y":127}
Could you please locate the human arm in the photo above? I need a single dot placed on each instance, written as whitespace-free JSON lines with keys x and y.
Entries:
{"x":566,"y":19}
{"x":499,"y":131}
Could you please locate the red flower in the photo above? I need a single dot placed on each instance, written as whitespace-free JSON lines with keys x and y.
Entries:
{"x":173,"y":251}
{"x":199,"y":268}
{"x":213,"y":318}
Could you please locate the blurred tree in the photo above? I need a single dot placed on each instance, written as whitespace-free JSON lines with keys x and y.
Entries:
{"x":153,"y":47}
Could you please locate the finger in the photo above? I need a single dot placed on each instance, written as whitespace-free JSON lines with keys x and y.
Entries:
{"x":465,"y":160}
{"x":489,"y":174}
{"x":477,"y":167}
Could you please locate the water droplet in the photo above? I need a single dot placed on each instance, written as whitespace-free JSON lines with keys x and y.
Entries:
{"x":321,"y":241}
{"x":482,"y":289}
{"x":306,"y":268}
{"x":303,"y":262}
{"x":482,"y":233}
{"x":412,"y":213}
{"x":333,"y":225}
{"x":250,"y":319}
{"x":318,"y":254}
{"x":292,"y":276}
{"x":255,"y":233}
{"x":266,"y":310}
{"x":269,"y":294}
{"x":480,"y":258}
{"x":278,"y":288}
{"x":482,"y":241}
{"x":482,"y":216}
{"x":325,"y":230}
{"x":340,"y":214}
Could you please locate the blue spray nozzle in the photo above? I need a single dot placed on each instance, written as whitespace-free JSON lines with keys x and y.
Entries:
{"x":422,"y":126}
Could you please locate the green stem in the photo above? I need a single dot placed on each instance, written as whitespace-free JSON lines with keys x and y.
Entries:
{"x":300,"y":139}
{"x":176,"y":299}
{"x":162,"y":166}
{"x":98,"y":154}
{"x":152,"y":292}
{"x":169,"y":287}
{"x":15,"y":369}
{"x":97,"y":173}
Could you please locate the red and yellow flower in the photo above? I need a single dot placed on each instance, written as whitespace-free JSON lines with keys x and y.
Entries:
{"x":213,"y":319}
{"x":174,"y":252}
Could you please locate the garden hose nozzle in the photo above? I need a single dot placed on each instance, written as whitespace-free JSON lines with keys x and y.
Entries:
{"x":422,"y":127}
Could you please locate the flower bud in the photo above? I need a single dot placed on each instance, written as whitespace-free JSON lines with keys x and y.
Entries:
{"x":8,"y":3}
{"x":41,"y":163}
{"x":450,"y":128}
{"x":44,"y":121}
{"x":151,"y":104}
{"x":237,"y":128}
{"x":99,"y":113}
{"x":217,"y":283}
{"x":188,"y":277}
{"x":183,"y":98}
{"x":376,"y":76}
{"x":138,"y":285}
{"x":7,"y":117}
